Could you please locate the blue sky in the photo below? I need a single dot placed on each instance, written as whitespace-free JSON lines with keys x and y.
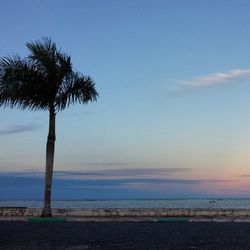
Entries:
{"x":173,"y":79}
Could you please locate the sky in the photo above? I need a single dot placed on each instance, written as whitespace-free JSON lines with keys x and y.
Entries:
{"x":172,"y":118}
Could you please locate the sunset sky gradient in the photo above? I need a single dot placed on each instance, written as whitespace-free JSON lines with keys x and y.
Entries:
{"x":173,"y":116}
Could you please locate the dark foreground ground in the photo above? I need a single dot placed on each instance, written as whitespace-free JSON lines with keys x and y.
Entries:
{"x":81,"y":236}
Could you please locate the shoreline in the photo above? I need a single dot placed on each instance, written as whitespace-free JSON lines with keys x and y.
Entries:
{"x":126,"y":215}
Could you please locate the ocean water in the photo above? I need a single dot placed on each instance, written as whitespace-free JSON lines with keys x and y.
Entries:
{"x":168,"y":203}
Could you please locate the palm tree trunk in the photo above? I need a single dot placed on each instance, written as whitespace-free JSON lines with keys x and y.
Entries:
{"x":50,"y":149}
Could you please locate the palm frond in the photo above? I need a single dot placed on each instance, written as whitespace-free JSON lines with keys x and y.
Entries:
{"x":51,"y":61}
{"x":79,"y":89}
{"x":21,"y":84}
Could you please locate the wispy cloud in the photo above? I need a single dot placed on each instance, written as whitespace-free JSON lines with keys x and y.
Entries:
{"x":75,"y":174}
{"x":144,"y":171}
{"x":106,"y":174}
{"x":19,"y":129}
{"x":211,"y":80}
{"x":108,"y":164}
{"x":103,"y":165}
{"x":131,"y":173}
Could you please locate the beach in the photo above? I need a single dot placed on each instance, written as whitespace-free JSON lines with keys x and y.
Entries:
{"x":126,"y":235}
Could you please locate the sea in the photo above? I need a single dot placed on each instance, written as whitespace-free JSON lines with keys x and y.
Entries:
{"x":163,"y":203}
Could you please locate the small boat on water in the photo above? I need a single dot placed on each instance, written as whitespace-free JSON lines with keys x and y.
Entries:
{"x":211,"y":201}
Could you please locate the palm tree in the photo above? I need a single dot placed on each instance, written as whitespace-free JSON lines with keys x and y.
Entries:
{"x":45,"y":80}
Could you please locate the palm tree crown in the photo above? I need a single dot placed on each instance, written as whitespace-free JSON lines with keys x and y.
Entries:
{"x":44,"y":80}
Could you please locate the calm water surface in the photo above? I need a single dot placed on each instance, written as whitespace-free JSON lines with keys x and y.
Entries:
{"x":171,"y":203}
